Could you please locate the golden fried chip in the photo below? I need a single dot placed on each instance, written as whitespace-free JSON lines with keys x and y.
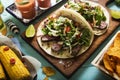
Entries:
{"x":117,"y":41}
{"x":118,"y":69}
{"x":106,"y":62}
{"x":46,"y":78}
{"x":111,"y":58}
{"x":115,"y":52}
{"x":48,"y":71}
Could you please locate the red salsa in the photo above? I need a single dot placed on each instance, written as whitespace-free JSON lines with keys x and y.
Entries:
{"x":44,"y":4}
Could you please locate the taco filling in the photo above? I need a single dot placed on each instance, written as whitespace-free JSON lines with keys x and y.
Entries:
{"x":66,"y":34}
{"x":93,"y":14}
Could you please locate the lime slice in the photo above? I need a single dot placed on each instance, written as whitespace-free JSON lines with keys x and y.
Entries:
{"x":30,"y":31}
{"x":115,"y":14}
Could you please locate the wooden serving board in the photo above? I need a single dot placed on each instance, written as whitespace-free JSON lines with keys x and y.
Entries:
{"x":68,"y":66}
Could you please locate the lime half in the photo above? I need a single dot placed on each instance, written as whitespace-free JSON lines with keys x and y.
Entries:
{"x":115,"y":14}
{"x":30,"y":31}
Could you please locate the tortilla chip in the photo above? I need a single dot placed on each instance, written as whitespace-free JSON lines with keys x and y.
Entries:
{"x":48,"y":71}
{"x":118,"y":69}
{"x":117,"y":41}
{"x":114,"y":49}
{"x":111,"y":58}
{"x":115,"y":52}
{"x":106,"y":62}
{"x":46,"y":78}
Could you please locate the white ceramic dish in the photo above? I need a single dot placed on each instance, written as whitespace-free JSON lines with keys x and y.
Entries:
{"x":98,"y":61}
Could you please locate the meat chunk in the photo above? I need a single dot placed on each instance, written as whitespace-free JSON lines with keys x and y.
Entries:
{"x":56,"y":47}
{"x":75,"y":50}
{"x":77,"y":1}
{"x":103,"y":25}
{"x":46,"y":38}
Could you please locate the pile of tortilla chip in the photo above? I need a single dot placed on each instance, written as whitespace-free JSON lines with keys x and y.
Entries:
{"x":111,"y":58}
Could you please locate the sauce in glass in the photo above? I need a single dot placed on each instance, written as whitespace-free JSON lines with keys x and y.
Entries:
{"x":26,"y":7}
{"x":44,"y":4}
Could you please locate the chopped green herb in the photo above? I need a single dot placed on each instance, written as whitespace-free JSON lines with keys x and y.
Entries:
{"x":69,"y":31}
{"x":92,"y":14}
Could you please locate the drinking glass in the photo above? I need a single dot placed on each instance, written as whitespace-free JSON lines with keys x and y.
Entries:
{"x":44,"y":4}
{"x":27,"y":9}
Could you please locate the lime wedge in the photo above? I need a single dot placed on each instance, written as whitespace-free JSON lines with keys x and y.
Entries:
{"x":30,"y":31}
{"x":115,"y":14}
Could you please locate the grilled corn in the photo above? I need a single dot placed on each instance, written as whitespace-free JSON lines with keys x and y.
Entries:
{"x":2,"y":73}
{"x":14,"y":67}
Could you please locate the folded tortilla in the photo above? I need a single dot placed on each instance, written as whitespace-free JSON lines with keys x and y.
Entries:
{"x":73,"y":16}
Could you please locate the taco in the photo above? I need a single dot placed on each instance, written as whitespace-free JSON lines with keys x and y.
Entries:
{"x":94,"y":13}
{"x":64,"y":34}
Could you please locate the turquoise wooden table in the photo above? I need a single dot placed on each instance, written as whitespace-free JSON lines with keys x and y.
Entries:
{"x":85,"y":72}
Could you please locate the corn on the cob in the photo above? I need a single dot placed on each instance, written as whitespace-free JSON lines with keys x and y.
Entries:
{"x":13,"y":65}
{"x":2,"y":73}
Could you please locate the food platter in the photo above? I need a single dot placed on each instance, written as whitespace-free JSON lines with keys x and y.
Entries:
{"x":65,"y":53}
{"x":33,"y":65}
{"x":74,"y":63}
{"x":98,"y":61}
{"x":16,"y":13}
{"x":96,"y":31}
{"x":93,"y":12}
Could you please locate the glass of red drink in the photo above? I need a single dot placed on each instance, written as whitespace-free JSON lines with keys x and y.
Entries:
{"x":44,"y":4}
